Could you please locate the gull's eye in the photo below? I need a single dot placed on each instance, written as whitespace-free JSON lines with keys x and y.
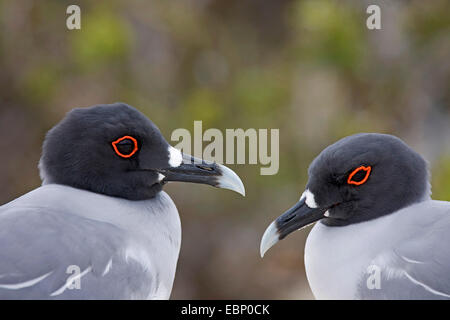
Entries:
{"x":125,"y":147}
{"x":359,"y":175}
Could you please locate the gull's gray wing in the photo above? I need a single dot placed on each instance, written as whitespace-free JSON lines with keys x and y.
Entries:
{"x":40,"y":249}
{"x":419,"y":266}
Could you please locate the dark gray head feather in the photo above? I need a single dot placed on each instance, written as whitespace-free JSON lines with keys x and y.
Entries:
{"x":399,"y":178}
{"x":78,"y":152}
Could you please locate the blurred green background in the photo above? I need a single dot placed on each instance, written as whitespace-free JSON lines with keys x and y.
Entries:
{"x":310,"y":68}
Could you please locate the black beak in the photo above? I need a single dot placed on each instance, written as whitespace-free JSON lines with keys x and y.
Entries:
{"x":197,"y":170}
{"x":297,"y":217}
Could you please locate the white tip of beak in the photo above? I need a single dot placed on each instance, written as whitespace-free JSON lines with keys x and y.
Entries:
{"x":230,"y":180}
{"x":269,"y":238}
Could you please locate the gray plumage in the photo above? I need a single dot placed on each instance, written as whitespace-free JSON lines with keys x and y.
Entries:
{"x":417,"y":264}
{"x":127,"y":249}
{"x":408,"y":250}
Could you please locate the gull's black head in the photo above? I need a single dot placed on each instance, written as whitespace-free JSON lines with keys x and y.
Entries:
{"x":358,"y":178}
{"x":115,"y":150}
{"x":365,"y":176}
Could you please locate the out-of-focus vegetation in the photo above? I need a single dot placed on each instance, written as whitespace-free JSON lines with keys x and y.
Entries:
{"x":310,"y":68}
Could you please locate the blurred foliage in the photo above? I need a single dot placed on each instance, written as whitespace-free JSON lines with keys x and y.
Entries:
{"x":310,"y":68}
{"x":441,"y":179}
{"x":335,"y":37}
{"x":105,"y":40}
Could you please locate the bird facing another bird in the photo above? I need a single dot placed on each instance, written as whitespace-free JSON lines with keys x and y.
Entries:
{"x":379,"y":235}
{"x":101,"y":210}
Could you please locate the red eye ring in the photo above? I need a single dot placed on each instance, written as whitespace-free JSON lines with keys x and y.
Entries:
{"x":114,"y":144}
{"x":358,"y":183}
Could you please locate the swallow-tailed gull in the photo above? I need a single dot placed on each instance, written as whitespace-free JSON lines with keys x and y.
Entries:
{"x":100,"y":226}
{"x":379,"y":235}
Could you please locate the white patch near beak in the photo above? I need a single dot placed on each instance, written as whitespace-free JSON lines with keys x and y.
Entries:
{"x":160,"y":177}
{"x":310,"y":200}
{"x":175,"y":157}
{"x":327,"y":213}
